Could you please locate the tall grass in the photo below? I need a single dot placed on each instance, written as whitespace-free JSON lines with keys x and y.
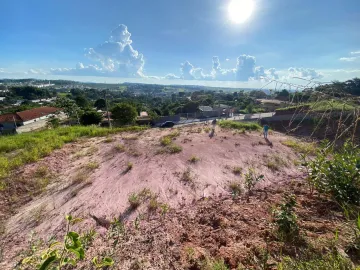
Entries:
{"x":16,"y":150}
{"x":239,"y":125}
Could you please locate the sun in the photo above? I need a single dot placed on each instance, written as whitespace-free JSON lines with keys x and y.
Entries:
{"x":240,"y":10}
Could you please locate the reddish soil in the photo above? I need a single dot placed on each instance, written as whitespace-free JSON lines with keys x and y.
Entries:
{"x":103,"y":192}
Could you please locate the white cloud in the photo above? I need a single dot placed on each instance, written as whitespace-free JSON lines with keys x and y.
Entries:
{"x":349,"y":59}
{"x":116,"y":56}
{"x":357,"y":52}
{"x":306,"y":73}
{"x":35,"y":72}
{"x":171,"y":76}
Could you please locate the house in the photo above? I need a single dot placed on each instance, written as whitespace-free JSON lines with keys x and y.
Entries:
{"x":10,"y":120}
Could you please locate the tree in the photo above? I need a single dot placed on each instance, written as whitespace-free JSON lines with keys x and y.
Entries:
{"x":69,"y":107}
{"x":82,"y":101}
{"x":124,"y":113}
{"x":100,"y":104}
{"x":91,"y":118}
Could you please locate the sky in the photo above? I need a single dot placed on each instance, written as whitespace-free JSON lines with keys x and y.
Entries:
{"x":181,"y":41}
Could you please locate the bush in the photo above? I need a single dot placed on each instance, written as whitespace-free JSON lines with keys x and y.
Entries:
{"x":286,"y":219}
{"x":124,"y":113}
{"x":90,"y":118}
{"x":337,"y":174}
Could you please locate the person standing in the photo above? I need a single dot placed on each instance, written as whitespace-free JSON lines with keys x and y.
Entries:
{"x":266,"y":131}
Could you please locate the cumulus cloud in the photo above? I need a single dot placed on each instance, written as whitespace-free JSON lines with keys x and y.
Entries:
{"x":306,"y":73}
{"x":354,"y":53}
{"x":245,"y":70}
{"x":116,"y":57}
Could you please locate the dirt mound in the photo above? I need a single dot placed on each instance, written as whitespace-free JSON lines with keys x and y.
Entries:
{"x":100,"y":176}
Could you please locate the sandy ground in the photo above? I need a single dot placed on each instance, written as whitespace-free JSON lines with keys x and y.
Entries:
{"x":80,"y":191}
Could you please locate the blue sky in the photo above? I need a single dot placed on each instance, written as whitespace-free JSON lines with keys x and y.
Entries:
{"x":187,"y":41}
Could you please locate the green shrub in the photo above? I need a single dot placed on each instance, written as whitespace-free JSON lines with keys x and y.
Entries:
{"x":239,"y":125}
{"x":337,"y":173}
{"x":286,"y":219}
{"x":251,"y":179}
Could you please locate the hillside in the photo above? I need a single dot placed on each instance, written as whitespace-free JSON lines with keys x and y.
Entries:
{"x":178,"y":194}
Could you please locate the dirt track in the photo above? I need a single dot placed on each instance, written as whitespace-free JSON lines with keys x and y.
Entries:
{"x":75,"y":189}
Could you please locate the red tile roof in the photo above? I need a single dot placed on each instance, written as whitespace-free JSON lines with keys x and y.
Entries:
{"x":36,"y":113}
{"x":9,"y":117}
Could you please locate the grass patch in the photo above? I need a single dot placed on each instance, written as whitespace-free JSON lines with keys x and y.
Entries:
{"x":301,"y":147}
{"x":228,"y":124}
{"x":321,"y":106}
{"x":187,"y":177}
{"x":119,"y":148}
{"x":32,"y":146}
{"x":165,"y":141}
{"x":79,"y":178}
{"x":193,"y":159}
{"x":131,"y":138}
{"x":41,"y":171}
{"x":109,"y":140}
{"x":275,"y":163}
{"x":92,"y":165}
{"x":173,"y":149}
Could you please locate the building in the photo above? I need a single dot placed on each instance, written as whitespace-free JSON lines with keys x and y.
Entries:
{"x":10,"y":120}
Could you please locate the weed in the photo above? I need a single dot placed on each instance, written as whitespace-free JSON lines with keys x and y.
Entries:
{"x":187,"y":177}
{"x":193,"y":159}
{"x":207,"y":129}
{"x":354,"y":246}
{"x":133,"y":152}
{"x":109,"y":140}
{"x":275,"y":163}
{"x":301,"y":147}
{"x":330,"y":261}
{"x":42,"y":183}
{"x":237,"y":170}
{"x":164,"y":208}
{"x":92,"y":165}
{"x":119,"y":148}
{"x":190,"y":252}
{"x":134,"y":200}
{"x":235,"y":189}
{"x":174,"y":148}
{"x":129,"y":167}
{"x":92,"y":150}
{"x":153,"y":205}
{"x":80,"y":177}
{"x":286,"y":219}
{"x":104,"y":263}
{"x":87,"y":238}
{"x":218,"y":265}
{"x":165,"y":141}
{"x":251,"y":179}
{"x":41,"y":171}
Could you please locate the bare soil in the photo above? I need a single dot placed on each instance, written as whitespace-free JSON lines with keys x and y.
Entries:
{"x":91,"y":177}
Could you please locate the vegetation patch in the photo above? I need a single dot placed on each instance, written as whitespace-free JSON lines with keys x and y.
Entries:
{"x":193,"y":159}
{"x":119,"y":148}
{"x":228,"y":124}
{"x":36,"y":145}
{"x":235,"y":188}
{"x":301,"y":147}
{"x":275,"y":162}
{"x":237,"y":170}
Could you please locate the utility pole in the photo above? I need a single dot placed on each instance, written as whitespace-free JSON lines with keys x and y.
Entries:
{"x":107,"y":109}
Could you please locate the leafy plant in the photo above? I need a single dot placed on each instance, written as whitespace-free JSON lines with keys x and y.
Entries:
{"x":134,"y":200}
{"x":60,"y":254}
{"x":251,"y":179}
{"x":104,"y":262}
{"x":286,"y":219}
{"x":337,"y":173}
{"x":235,"y":188}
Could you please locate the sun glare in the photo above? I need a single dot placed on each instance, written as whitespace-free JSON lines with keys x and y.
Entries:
{"x":240,"y":10}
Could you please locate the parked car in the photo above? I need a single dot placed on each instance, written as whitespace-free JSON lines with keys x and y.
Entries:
{"x":167,"y":124}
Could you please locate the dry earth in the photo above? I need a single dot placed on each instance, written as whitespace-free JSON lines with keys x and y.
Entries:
{"x":92,"y":177}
